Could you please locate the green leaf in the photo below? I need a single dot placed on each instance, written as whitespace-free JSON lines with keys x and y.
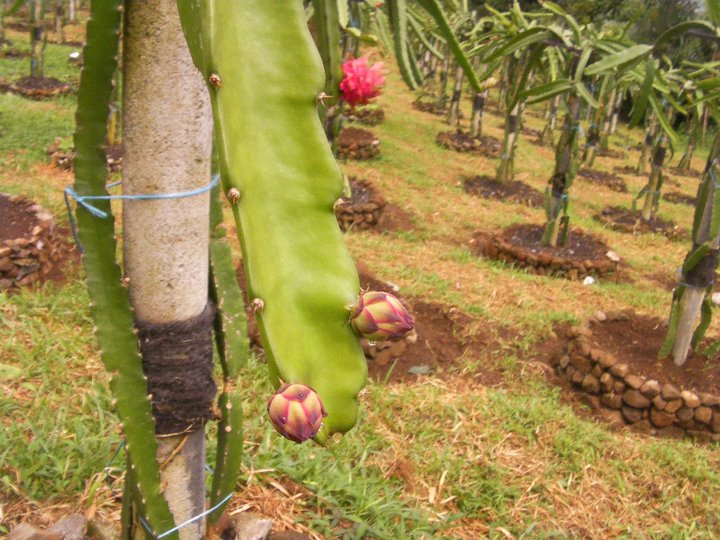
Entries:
{"x":619,"y":60}
{"x":343,"y":13}
{"x":683,"y":27}
{"x":546,"y":91}
{"x":397,"y":12}
{"x":584,"y":93}
{"x":643,"y":96}
{"x":663,"y":120}
{"x":434,"y":9}
{"x":521,"y":41}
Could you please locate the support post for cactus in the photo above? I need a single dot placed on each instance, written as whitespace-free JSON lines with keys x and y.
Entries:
{"x":506,"y":169}
{"x":649,"y":137}
{"x":168,"y":133}
{"x":36,"y":38}
{"x":453,"y":117}
{"x":478,"y":110}
{"x":654,"y":185}
{"x":691,"y":299}
{"x":566,"y":165}
{"x":692,"y":132}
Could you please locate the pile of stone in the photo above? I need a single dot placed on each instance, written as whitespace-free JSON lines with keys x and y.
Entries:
{"x":360,"y":212}
{"x":647,"y":404}
{"x":360,"y":144}
{"x":369,"y":116}
{"x":384,"y":352}
{"x":545,"y":264}
{"x":26,"y":260}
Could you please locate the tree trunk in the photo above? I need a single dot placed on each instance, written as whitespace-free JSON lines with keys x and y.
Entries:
{"x":616,"y":113}
{"x":566,"y":164}
{"x":72,"y":11}
{"x":546,"y":137}
{"x":654,"y":185}
{"x":453,"y":117}
{"x":693,"y":296}
{"x":36,"y":38}
{"x":506,"y":169}
{"x":686,"y":160}
{"x":168,"y":133}
{"x":478,"y":111}
{"x":60,"y":21}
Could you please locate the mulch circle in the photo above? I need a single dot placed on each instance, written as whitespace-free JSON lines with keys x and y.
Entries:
{"x":629,"y":221}
{"x":612,"y":154}
{"x":429,"y":107}
{"x":679,"y":198}
{"x":461,"y":141}
{"x":688,"y":173}
{"x":368,"y":116}
{"x":531,"y":132}
{"x":355,"y":143}
{"x":14,"y":53}
{"x":362,"y":210}
{"x":439,"y":340}
{"x":609,"y":180}
{"x":626,"y":169}
{"x":514,"y":191}
{"x":582,"y":255}
{"x":36,"y":87}
{"x":32,"y":250}
{"x":614,"y":359}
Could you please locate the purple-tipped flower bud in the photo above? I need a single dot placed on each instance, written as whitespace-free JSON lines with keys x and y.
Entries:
{"x":379,"y":316}
{"x":296,"y":412}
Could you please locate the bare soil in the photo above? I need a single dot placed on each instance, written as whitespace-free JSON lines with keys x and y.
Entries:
{"x":612,"y":181}
{"x":636,"y":342}
{"x":625,"y":220}
{"x":513,"y":191}
{"x":461,"y":141}
{"x":612,"y":154}
{"x":679,"y":198}
{"x":37,"y":87}
{"x":578,"y":246}
{"x":16,"y":221}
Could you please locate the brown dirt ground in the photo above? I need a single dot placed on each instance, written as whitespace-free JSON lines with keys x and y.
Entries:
{"x":579,"y":245}
{"x":636,"y":342}
{"x":351,"y":135}
{"x":15,"y":219}
{"x":515,"y":191}
{"x":610,"y":180}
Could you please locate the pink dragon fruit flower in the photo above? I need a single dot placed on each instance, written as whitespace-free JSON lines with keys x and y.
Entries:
{"x":296,"y":412}
{"x":361,"y":82}
{"x":380,"y":316}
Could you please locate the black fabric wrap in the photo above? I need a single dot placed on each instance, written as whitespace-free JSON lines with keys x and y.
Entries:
{"x":703,"y":274}
{"x":479,"y":102}
{"x":659,"y":156}
{"x":177,"y":361}
{"x":513,"y":123}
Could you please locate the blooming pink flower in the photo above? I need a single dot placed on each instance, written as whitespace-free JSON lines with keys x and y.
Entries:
{"x":361,"y":82}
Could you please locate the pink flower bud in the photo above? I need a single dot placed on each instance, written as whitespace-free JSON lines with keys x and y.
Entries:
{"x":378,"y":316}
{"x":361,"y":82}
{"x":296,"y":412}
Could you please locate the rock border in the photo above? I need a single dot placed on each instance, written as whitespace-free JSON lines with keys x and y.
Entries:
{"x":669,"y":230}
{"x":26,"y":260}
{"x":496,"y":246}
{"x":360,"y":151}
{"x":37,"y":94}
{"x":646,"y":405}
{"x":367,"y":116}
{"x":361,"y":216}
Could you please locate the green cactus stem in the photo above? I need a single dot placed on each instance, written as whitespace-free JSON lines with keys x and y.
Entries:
{"x":690,"y":310}
{"x":273,"y":153}
{"x":233,"y":350}
{"x":109,"y":299}
{"x":566,"y":166}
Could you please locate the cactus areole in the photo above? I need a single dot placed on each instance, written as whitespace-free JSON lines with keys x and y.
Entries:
{"x":273,"y":150}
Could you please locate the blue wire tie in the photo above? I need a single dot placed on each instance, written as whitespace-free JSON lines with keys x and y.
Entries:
{"x":82,"y":200}
{"x":193,"y":519}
